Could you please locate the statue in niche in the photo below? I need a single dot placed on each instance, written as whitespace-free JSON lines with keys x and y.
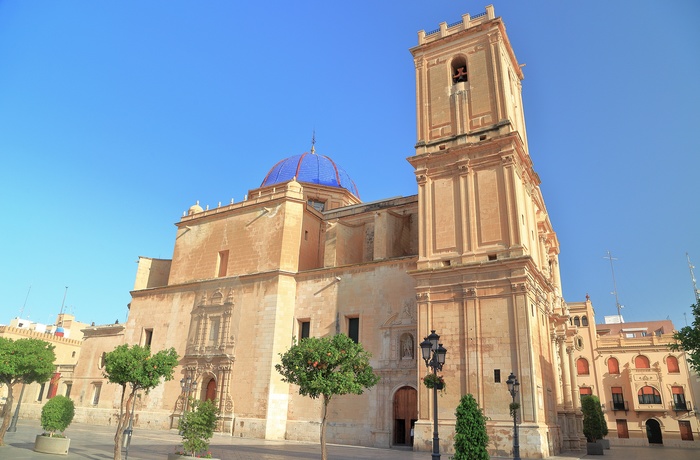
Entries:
{"x":406,"y":346}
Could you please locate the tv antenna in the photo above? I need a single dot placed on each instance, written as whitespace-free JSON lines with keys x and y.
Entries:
{"x":692,"y":277}
{"x":21,"y":310}
{"x":617,"y":301}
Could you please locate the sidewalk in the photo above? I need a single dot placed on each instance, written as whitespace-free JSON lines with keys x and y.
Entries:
{"x":96,"y":443}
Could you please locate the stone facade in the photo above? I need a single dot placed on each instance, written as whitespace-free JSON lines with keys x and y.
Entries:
{"x":472,"y":256}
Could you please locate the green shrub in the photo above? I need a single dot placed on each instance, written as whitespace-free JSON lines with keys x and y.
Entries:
{"x":594,"y":426}
{"x":197,"y":427}
{"x":471,"y":439}
{"x":57,"y":414}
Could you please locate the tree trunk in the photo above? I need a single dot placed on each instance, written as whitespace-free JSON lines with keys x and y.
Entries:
{"x":6,"y":411}
{"x":324,"y":454}
{"x":121,"y":422}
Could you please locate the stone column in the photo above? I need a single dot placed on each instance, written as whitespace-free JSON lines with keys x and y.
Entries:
{"x":557,"y":367}
{"x":566,"y":374}
{"x":576,"y":399}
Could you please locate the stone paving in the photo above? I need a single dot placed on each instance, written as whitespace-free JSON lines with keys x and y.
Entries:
{"x":95,"y":443}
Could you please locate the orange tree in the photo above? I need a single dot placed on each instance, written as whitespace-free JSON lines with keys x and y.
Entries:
{"x":325,"y":367}
{"x":136,"y":368}
{"x":23,"y":361}
{"x":688,"y":340}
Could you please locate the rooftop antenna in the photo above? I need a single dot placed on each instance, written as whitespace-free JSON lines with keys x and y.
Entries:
{"x":692,"y":277}
{"x":617,"y":301}
{"x":21,"y":310}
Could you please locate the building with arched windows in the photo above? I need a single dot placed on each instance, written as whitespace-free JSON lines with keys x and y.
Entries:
{"x":648,"y":393}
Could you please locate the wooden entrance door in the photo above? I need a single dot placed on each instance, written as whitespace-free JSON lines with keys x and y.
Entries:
{"x":405,"y":415}
{"x":211,"y":390}
{"x":686,"y":431}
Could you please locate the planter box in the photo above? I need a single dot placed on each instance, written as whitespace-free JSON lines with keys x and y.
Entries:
{"x":183,"y":457}
{"x":594,"y":448}
{"x":605,"y":443}
{"x":51,"y":445}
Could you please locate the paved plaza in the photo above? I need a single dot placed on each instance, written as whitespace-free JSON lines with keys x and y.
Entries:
{"x":96,"y":443}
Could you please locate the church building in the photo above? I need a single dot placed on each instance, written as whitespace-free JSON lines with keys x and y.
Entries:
{"x":472,"y":256}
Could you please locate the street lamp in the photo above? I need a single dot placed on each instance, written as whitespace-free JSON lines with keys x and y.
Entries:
{"x":188,"y":386}
{"x":513,"y":388}
{"x":434,"y":356}
{"x":13,"y":426}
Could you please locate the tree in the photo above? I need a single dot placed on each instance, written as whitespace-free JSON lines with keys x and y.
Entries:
{"x":688,"y":340}
{"x":197,"y":427}
{"x":23,"y":361}
{"x":137,"y":368}
{"x":593,"y":418}
{"x":325,"y":367}
{"x":57,"y":414}
{"x":471,"y":439}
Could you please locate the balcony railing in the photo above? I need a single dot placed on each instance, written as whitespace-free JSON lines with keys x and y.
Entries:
{"x":683,"y":406}
{"x":620,"y":405}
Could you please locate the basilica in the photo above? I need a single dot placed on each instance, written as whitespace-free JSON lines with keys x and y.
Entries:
{"x":472,"y":255}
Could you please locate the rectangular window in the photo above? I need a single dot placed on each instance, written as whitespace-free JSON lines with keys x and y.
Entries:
{"x":497,"y":375}
{"x":40,"y":396}
{"x":214,"y":325}
{"x":147,"y":337}
{"x":618,"y":399}
{"x":304,"y":329}
{"x":222,"y":264}
{"x":678,"y":398}
{"x":354,"y":329}
{"x":69,"y":386}
{"x":622,"y":429}
{"x":686,"y":430}
{"x":97,"y":387}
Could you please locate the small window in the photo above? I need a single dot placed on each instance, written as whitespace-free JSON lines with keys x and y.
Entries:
{"x":214,"y":325}
{"x":459,"y":70}
{"x":318,"y":205}
{"x":354,"y":329}
{"x":584,"y":321}
{"x":69,"y":387}
{"x":493,"y":257}
{"x":582,"y":366}
{"x":304,"y":329}
{"x":678,"y":398}
{"x":613,"y":366}
{"x":97,"y":387}
{"x":641,"y":362}
{"x":577,"y":321}
{"x":72,"y":355}
{"x":618,"y":399}
{"x":649,"y":395}
{"x":222,"y":264}
{"x":672,"y":364}
{"x":101,"y":362}
{"x":585,"y":391}
{"x":40,"y":396}
{"x":306,"y":235}
{"x":497,"y":375}
{"x":147,"y":337}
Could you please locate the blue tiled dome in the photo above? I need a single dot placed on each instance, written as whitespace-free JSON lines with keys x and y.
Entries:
{"x":311,"y":168}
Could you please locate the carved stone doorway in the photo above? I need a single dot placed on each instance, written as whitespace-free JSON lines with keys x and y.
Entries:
{"x":405,"y":415}
{"x":654,"y":432}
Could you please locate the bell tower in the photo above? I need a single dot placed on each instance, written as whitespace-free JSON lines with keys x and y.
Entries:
{"x":487,"y":276}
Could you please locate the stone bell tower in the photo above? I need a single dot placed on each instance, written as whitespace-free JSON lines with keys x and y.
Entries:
{"x":487,"y":276}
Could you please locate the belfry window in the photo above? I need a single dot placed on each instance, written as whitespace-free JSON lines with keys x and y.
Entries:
{"x":459,"y":70}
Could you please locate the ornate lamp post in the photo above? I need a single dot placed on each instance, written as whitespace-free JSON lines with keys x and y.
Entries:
{"x":434,"y":357}
{"x":513,"y":388}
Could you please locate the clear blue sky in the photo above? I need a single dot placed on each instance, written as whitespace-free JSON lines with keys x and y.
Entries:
{"x":115,"y":117}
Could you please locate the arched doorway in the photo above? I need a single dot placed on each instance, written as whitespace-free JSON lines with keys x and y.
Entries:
{"x":654,"y":432}
{"x":405,"y":415}
{"x":211,"y":390}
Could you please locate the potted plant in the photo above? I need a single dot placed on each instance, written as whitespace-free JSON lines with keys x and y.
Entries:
{"x":593,"y":423}
{"x":434,"y":381}
{"x":196,"y":428}
{"x":56,"y":415}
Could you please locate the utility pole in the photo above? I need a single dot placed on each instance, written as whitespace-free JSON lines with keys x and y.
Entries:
{"x":692,"y":277}
{"x":617,"y":301}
